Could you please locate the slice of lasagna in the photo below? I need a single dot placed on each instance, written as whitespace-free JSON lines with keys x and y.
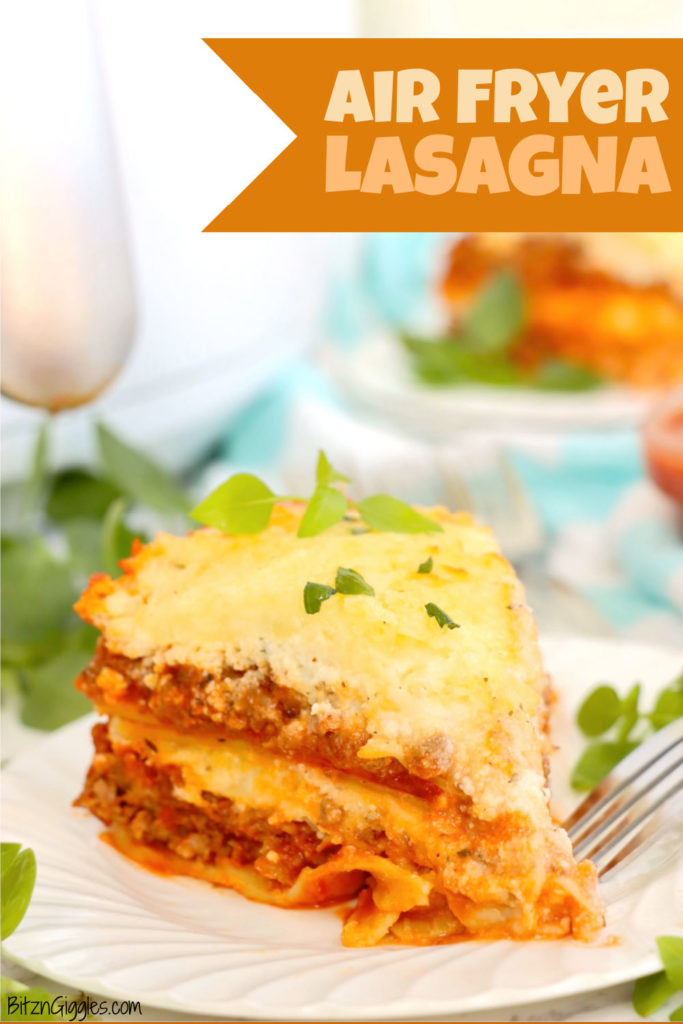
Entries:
{"x":385,"y":747}
{"x":612,"y":303}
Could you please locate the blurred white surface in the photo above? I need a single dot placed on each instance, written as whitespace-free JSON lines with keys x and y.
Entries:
{"x":67,"y":298}
{"x":218,"y":314}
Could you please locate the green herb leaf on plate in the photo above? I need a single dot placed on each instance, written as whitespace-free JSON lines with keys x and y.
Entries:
{"x":629,"y":713}
{"x":651,"y":992}
{"x":17,"y":882}
{"x":389,"y":515}
{"x":597,"y":761}
{"x":677,"y":1014}
{"x":326,"y":507}
{"x":599,"y":711}
{"x":561,"y":375}
{"x":326,"y":473}
{"x":451,"y":360}
{"x":671,"y":954}
{"x":314,"y":595}
{"x":78,"y":494}
{"x":241,"y":505}
{"x":440,"y":615}
{"x":668,"y":707}
{"x":348,"y":581}
{"x":496,"y":316}
{"x":427,"y":566}
{"x":38,"y":1001}
{"x":139,"y":477}
{"x":8,"y":853}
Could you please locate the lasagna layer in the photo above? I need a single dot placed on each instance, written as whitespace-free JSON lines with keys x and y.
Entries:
{"x":589,"y":302}
{"x":248,"y":704}
{"x":293,"y":835}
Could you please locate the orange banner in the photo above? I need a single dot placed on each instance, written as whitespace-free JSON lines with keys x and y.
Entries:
{"x":465,"y":134}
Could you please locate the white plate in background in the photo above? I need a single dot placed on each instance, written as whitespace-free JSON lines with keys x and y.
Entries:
{"x":377,"y":375}
{"x":107,"y":926}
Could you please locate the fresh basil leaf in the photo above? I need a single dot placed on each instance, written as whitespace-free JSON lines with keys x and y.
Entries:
{"x":35,"y":484}
{"x":496,"y":317}
{"x":10,"y":680}
{"x":671,"y":953}
{"x":651,"y":992}
{"x":37,"y":598}
{"x":451,"y":361}
{"x":597,"y":761}
{"x":137,"y":476}
{"x":560,"y":375}
{"x":348,"y":581}
{"x":427,"y":566}
{"x":78,"y":494}
{"x":668,"y":707}
{"x":326,"y":473}
{"x":599,"y":711}
{"x":326,"y":507}
{"x":243,"y":504}
{"x":117,"y":539}
{"x":389,"y":515}
{"x":39,"y":1002}
{"x":629,"y":713}
{"x":439,"y":614}
{"x":314,"y":595}
{"x":17,"y":882}
{"x":51,"y":699}
{"x":8,"y":853}
{"x":677,"y":1014}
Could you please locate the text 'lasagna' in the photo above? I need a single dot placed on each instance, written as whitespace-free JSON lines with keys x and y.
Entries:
{"x":373,"y":751}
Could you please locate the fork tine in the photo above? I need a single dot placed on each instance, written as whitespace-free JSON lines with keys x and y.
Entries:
{"x":604,"y":826}
{"x":627,"y":772}
{"x":658,"y":842}
{"x":606,"y":855}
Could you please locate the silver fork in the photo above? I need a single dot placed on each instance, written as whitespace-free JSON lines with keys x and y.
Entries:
{"x":634,"y":807}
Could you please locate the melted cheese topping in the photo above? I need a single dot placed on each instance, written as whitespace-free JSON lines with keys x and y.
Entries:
{"x":379,"y":663}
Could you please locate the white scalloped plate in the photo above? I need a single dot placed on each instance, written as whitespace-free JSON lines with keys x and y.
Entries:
{"x":377,"y":374}
{"x":104,"y":925}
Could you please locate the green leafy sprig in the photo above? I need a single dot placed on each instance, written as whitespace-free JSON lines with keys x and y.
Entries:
{"x":653,"y":991}
{"x":440,"y":616}
{"x":347,"y":581}
{"x":244,"y":504}
{"x":481,"y":350}
{"x":17,"y":881}
{"x":83,"y":514}
{"x":622,"y":725}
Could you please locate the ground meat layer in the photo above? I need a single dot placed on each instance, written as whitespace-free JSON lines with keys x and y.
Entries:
{"x":126,"y":792}
{"x":253,"y":706}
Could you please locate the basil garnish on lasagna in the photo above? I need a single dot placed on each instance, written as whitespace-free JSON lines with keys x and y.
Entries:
{"x":356,"y":754}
